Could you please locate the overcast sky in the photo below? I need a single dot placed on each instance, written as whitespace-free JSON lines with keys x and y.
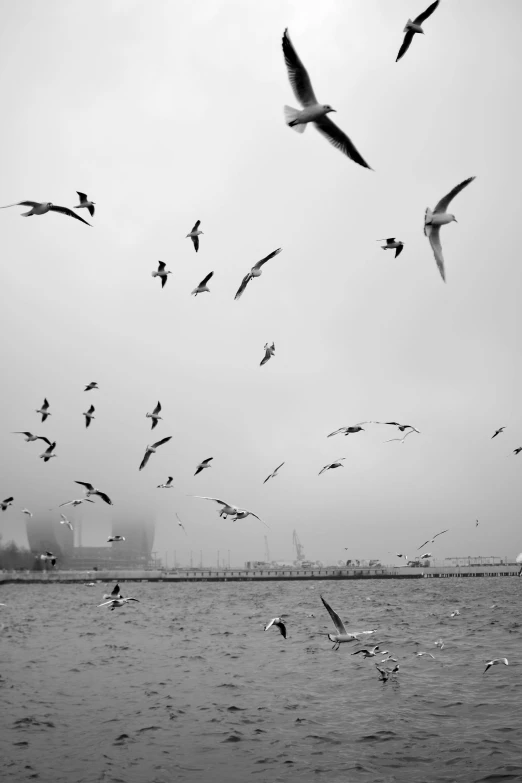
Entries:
{"x":165,"y":113}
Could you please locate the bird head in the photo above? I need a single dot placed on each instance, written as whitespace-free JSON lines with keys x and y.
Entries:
{"x":327,"y":108}
{"x":49,"y":204}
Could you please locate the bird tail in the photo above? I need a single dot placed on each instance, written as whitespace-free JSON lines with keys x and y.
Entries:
{"x":406,"y":28}
{"x":291,"y":116}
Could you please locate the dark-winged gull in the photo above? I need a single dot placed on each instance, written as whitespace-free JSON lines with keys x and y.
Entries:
{"x":279,"y":623}
{"x":30,"y":437}
{"x":201,"y":287}
{"x":89,"y":415}
{"x":44,"y":410}
{"x":48,"y":453}
{"x":332,"y":465}
{"x":167,"y":485}
{"x":415,"y":27}
{"x":342,"y":634}
{"x":494,"y":662}
{"x":90,"y":490}
{"x":152,"y":450}
{"x":92,"y":385}
{"x":40,"y":208}
{"x":433,"y":220}
{"x":85,"y":203}
{"x":154,"y":415}
{"x":161,"y":272}
{"x":274,"y":474}
{"x":269,"y":352}
{"x":392,"y":244}
{"x":256,"y":271}
{"x":500,"y":429}
{"x":194,"y":235}
{"x":203,"y":464}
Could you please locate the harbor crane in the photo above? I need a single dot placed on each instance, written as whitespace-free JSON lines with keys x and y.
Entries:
{"x":298,"y":546}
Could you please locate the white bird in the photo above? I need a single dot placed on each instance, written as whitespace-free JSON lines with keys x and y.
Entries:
{"x":194,"y":235}
{"x":90,"y":490}
{"x":342,"y":634}
{"x":44,"y":410}
{"x":27,"y":512}
{"x":439,"y":217}
{"x":114,"y":603}
{"x":269,"y":352}
{"x":161,"y":272}
{"x":351,"y":429}
{"x":415,"y":27}
{"x":279,"y":623}
{"x":152,"y":450}
{"x":392,"y":244}
{"x":331,"y":465}
{"x":431,"y":540}
{"x":115,"y":539}
{"x":228,"y":509}
{"x":155,"y":415}
{"x":48,"y":453}
{"x":401,"y":440}
{"x":369,"y":652}
{"x":274,"y":474}
{"x":92,"y":385}
{"x":65,"y":521}
{"x":418,"y":654}
{"x":180,"y":523}
{"x":167,"y":485}
{"x":494,"y":663}
{"x":204,"y":464}
{"x":439,"y":643}
{"x":425,"y":556}
{"x":256,"y":271}
{"x":75,"y":503}
{"x":455,"y":613}
{"x":312,"y":110}
{"x":40,"y":208}
{"x":30,"y":437}
{"x":89,"y":415}
{"x":199,"y":289}
{"x":85,"y":203}
{"x":115,"y":593}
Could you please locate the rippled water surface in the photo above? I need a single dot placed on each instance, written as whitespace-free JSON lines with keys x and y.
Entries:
{"x":186,"y":686}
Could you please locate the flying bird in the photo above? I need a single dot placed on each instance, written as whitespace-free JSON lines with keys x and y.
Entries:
{"x":229,"y":510}
{"x":369,"y":652}
{"x":312,"y":110}
{"x":403,"y":437}
{"x":400,"y":427}
{"x":331,"y":465}
{"x":44,"y":410}
{"x":494,"y":662}
{"x":269,"y":352}
{"x":180,"y":523}
{"x":65,"y":521}
{"x":77,"y":502}
{"x":194,"y":235}
{"x":85,"y":203}
{"x":199,"y":289}
{"x":415,"y":27}
{"x":439,"y":217}
{"x":161,"y":272}
{"x":425,"y":556}
{"x":90,"y":490}
{"x":204,"y":464}
{"x":27,"y":512}
{"x":116,"y":539}
{"x":501,"y":429}
{"x":255,"y":272}
{"x":48,"y":453}
{"x":48,"y":556}
{"x":92,"y":385}
{"x":476,"y":523}
{"x":30,"y":437}
{"x":167,"y":485}
{"x":114,"y":603}
{"x":350,"y":430}
{"x":391,"y":244}
{"x":517,"y":450}
{"x":279,"y":623}
{"x":89,"y":415}
{"x":431,"y":540}
{"x":154,"y":415}
{"x":274,"y":474}
{"x":40,"y":208}
{"x":152,"y":450}
{"x":342,"y":634}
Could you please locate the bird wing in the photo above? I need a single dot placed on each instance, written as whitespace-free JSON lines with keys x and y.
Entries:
{"x":216,"y":500}
{"x":399,"y":250}
{"x":42,"y":437}
{"x":161,"y":265}
{"x":91,"y":409}
{"x":341,"y":429}
{"x":360,"y":651}
{"x":207,"y":278}
{"x":198,"y":470}
{"x":164,"y":281}
{"x":83,"y":197}
{"x":270,"y":624}
{"x":69,"y":212}
{"x":85,"y":484}
{"x":408,"y":38}
{"x":106,"y":603}
{"x":427,"y":13}
{"x":297,"y":74}
{"x":279,"y":466}
{"x":266,"y":357}
{"x":104,"y":497}
{"x":195,"y":242}
{"x":196,"y":226}
{"x":116,"y":590}
{"x":340,"y":140}
{"x":157,"y":408}
{"x":424,"y":544}
{"x":282,"y":628}
{"x":145,"y":459}
{"x":247,"y":278}
{"x":434,"y":237}
{"x":45,"y":404}
{"x":161,"y":442}
{"x":444,"y":203}
{"x":8,"y":500}
{"x":267,"y":258}
{"x":253,"y":515}
{"x":439,"y":534}
{"x":335,"y":617}
{"x":22,"y":204}
{"x":206,"y":461}
{"x":51,"y":447}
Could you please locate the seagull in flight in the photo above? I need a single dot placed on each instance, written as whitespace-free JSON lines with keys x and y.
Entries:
{"x":116,"y":539}
{"x":161,"y":272}
{"x":431,"y":540}
{"x":180,"y":523}
{"x":204,"y":464}
{"x":85,"y":203}
{"x":168,"y":485}
{"x":49,"y":557}
{"x":44,"y":410}
{"x":30,"y":437}
{"x":350,"y":430}
{"x":65,"y":521}
{"x":201,"y":287}
{"x":229,"y":510}
{"x":256,"y":271}
{"x":391,"y":244}
{"x":433,"y":220}
{"x":331,"y":465}
{"x":154,"y":415}
{"x":425,"y":556}
{"x":312,"y":110}
{"x":90,"y":490}
{"x":274,"y":474}
{"x":48,"y":453}
{"x":517,"y":450}
{"x":75,"y":503}
{"x":400,"y":427}
{"x":494,"y":662}
{"x":40,"y":208}
{"x":501,"y":429}
{"x":279,"y":623}
{"x":415,"y":27}
{"x":92,"y":385}
{"x":403,"y":437}
{"x":152,"y":450}
{"x":194,"y":235}
{"x":269,"y":352}
{"x":89,"y":415}
{"x":115,"y":603}
{"x":27,"y":512}
{"x":4,"y":504}
{"x":342,"y":634}
{"x":370,"y":652}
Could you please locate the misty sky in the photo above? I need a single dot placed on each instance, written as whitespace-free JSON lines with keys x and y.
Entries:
{"x":165,"y":113}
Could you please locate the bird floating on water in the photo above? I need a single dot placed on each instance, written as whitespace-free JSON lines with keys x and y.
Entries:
{"x":65,"y":521}
{"x":342,"y":634}
{"x":89,"y":415}
{"x":201,"y":287}
{"x":415,"y":27}
{"x":494,"y":662}
{"x":269,"y":352}
{"x":30,"y":437}
{"x":312,"y":110}
{"x":167,"y":485}
{"x":44,"y":410}
{"x":433,"y":220}
{"x":161,"y":272}
{"x":90,"y":490}
{"x":274,"y":474}
{"x":115,"y":539}
{"x":256,"y":271}
{"x":155,"y":415}
{"x":85,"y":203}
{"x":48,"y":453}
{"x":497,"y":432}
{"x":195,"y":234}
{"x":392,"y":244}
{"x":152,"y":450}
{"x":279,"y":623}
{"x":332,"y":465}
{"x":41,"y":207}
{"x":203,"y":464}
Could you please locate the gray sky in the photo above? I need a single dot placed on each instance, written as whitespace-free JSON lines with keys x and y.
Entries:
{"x":165,"y":113}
